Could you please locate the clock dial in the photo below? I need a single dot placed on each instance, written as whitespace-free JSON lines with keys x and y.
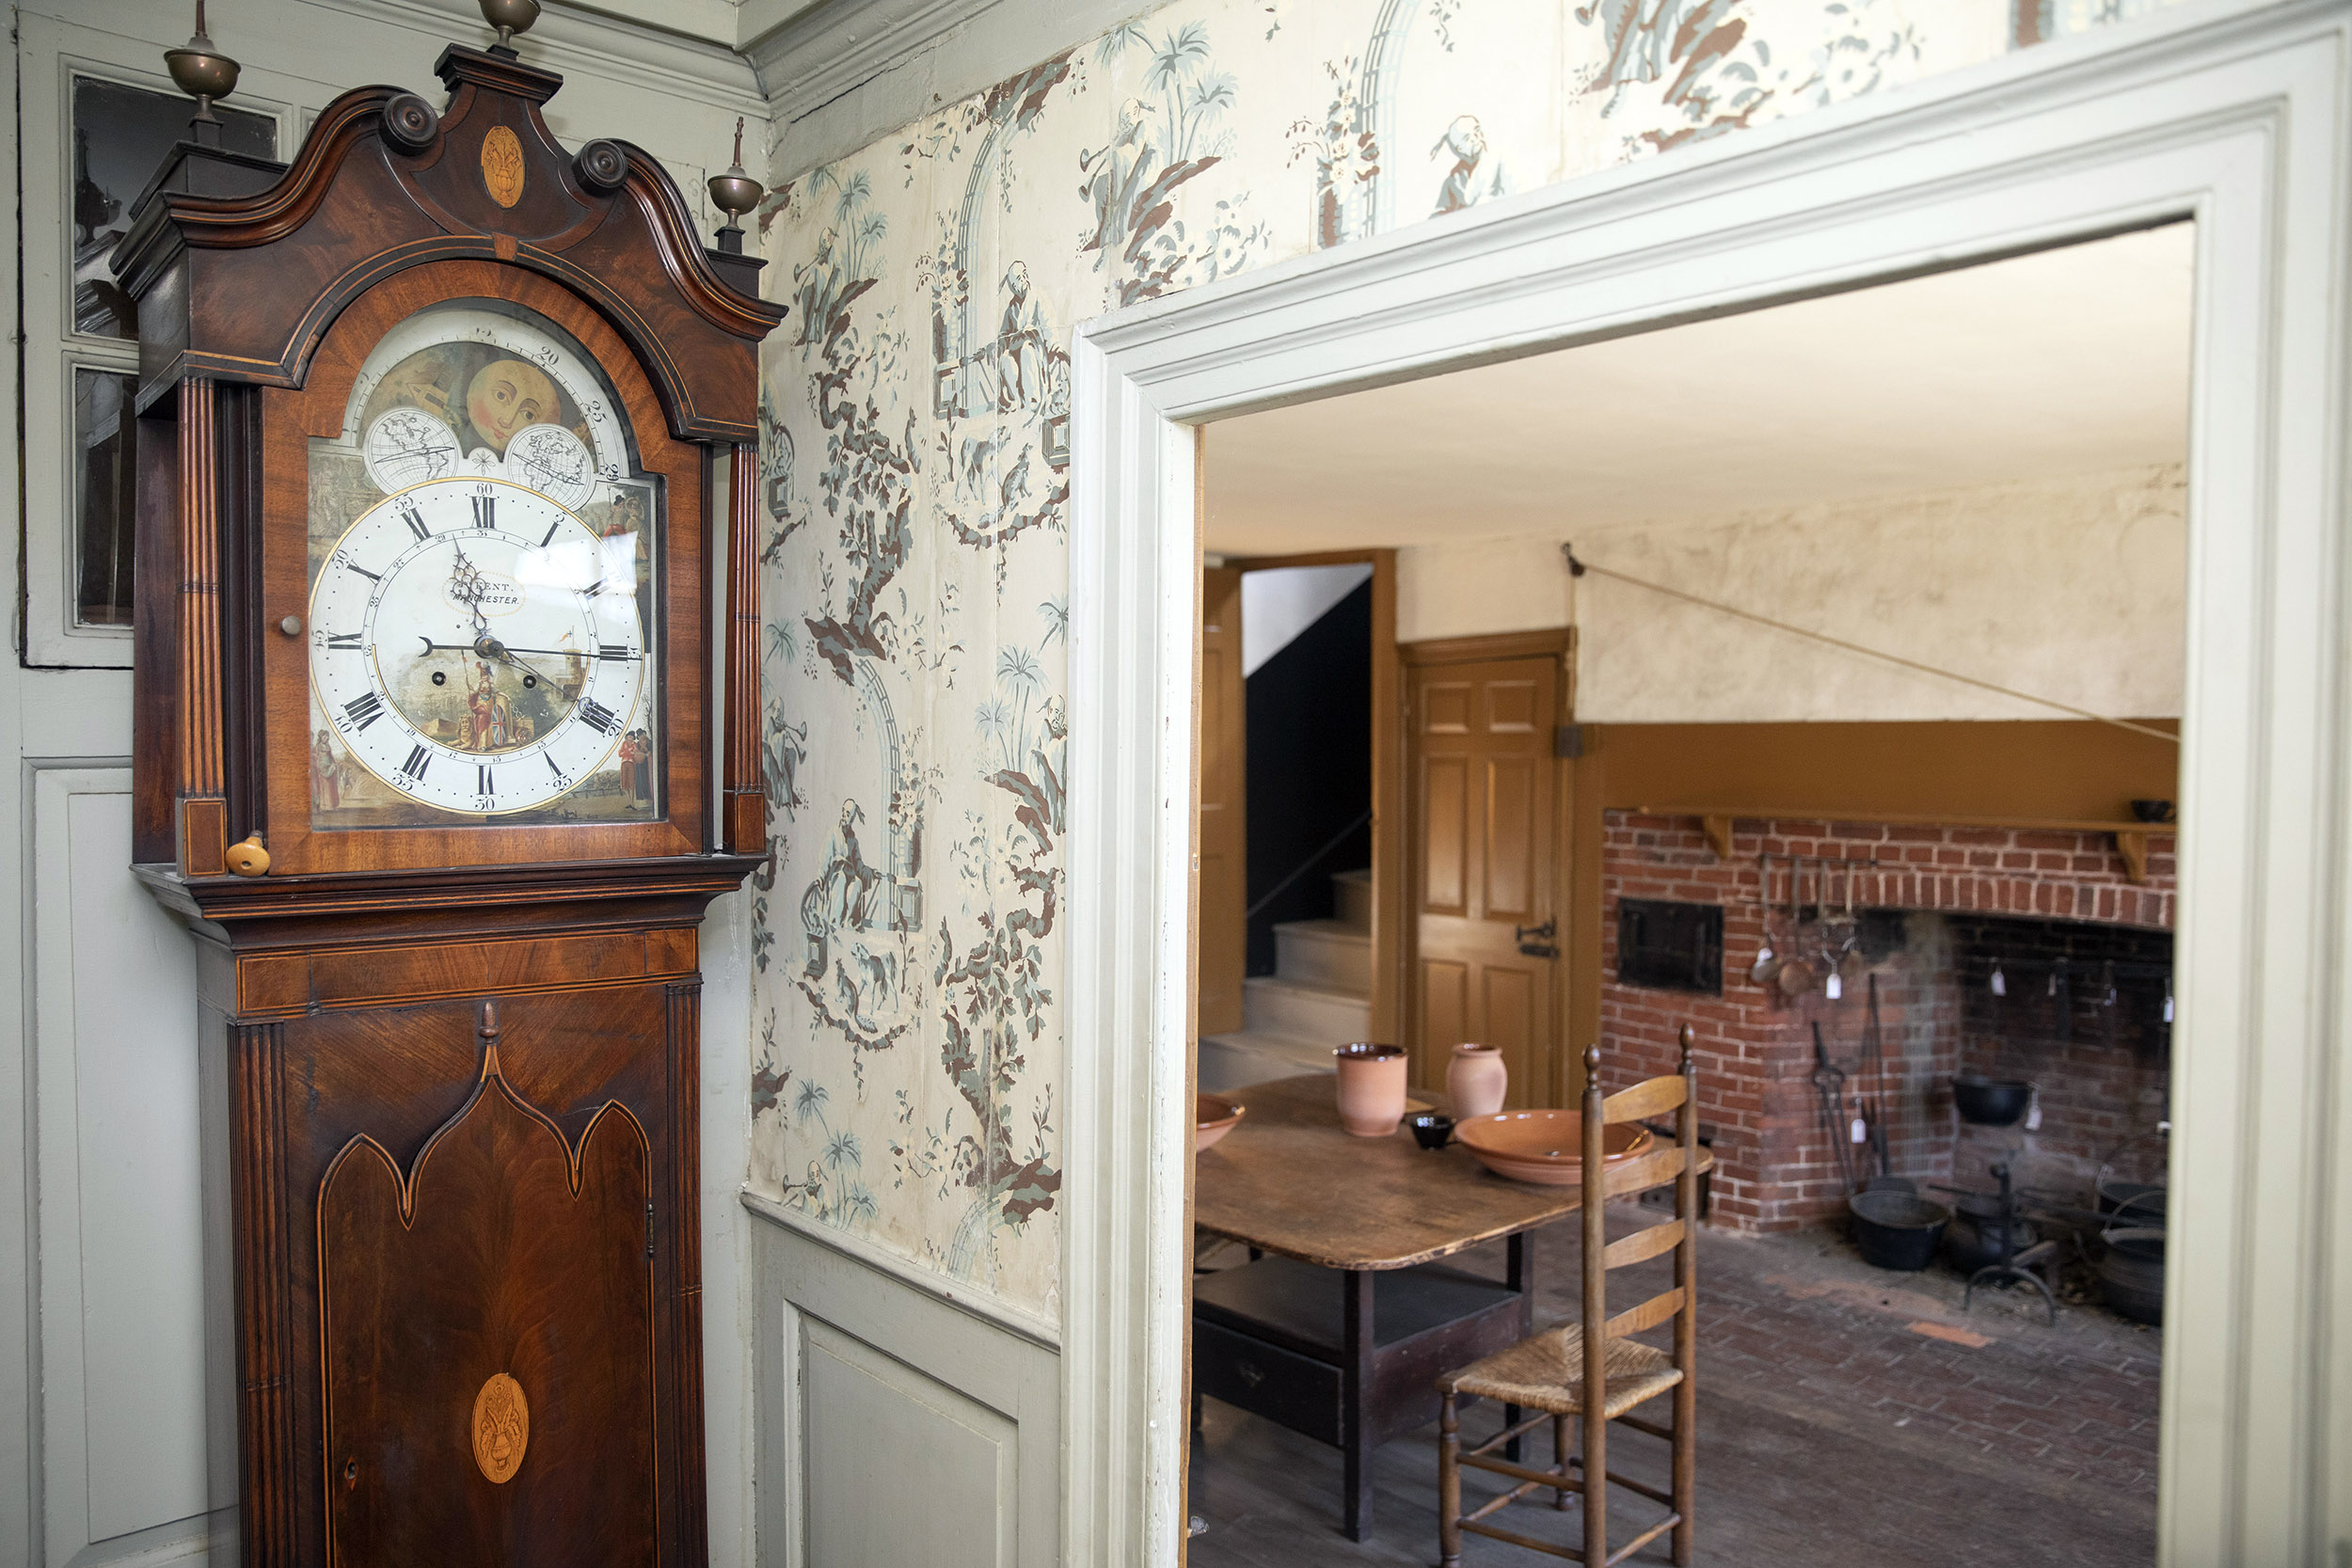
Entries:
{"x":476,"y":646}
{"x":408,"y":446}
{"x":551,"y":460}
{"x":483,"y":636}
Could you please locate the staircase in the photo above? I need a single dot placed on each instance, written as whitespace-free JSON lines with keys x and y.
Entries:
{"x":1319,"y":996}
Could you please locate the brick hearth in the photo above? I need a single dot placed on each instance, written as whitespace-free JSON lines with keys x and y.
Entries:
{"x":1946,"y":903}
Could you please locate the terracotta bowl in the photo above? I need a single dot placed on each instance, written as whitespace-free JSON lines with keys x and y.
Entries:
{"x":1213,"y":1117}
{"x":1544,"y":1147}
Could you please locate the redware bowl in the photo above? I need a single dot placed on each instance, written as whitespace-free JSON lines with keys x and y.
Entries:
{"x":1213,"y":1117}
{"x":1545,"y":1147}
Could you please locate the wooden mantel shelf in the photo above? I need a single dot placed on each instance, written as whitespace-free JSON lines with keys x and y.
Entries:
{"x":2131,"y":838}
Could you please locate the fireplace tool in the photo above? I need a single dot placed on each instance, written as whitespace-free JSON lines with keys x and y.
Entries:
{"x":2011,"y":1270}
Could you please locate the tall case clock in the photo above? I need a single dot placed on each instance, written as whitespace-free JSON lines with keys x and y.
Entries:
{"x":446,"y":455}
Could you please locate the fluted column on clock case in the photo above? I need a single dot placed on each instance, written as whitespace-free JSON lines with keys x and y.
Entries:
{"x":746,"y":786}
{"x":263,"y":1280}
{"x":200,"y":787}
{"x":683,"y":1005}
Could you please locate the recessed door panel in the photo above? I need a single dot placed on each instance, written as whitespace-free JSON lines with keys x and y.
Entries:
{"x":1444,"y":1003}
{"x":1511,"y":708}
{"x":1445,"y":708}
{"x":1511,"y":871}
{"x":1445,"y":832}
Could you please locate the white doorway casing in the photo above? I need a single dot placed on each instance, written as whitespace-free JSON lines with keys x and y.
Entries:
{"x":2237,"y":118}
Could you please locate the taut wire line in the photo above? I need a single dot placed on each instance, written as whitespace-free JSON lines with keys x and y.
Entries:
{"x":1578,"y":567}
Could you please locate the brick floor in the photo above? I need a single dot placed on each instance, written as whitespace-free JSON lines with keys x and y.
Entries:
{"x":1832,"y":1429}
{"x":1803,"y":1313}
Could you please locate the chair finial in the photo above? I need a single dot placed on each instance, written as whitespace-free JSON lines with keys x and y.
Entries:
{"x":1592,"y":1059}
{"x":1690,"y":1038}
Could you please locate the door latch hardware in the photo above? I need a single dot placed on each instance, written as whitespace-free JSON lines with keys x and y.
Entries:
{"x":1535,"y":941}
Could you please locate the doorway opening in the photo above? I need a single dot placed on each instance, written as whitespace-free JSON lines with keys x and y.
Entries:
{"x":1809,"y":679}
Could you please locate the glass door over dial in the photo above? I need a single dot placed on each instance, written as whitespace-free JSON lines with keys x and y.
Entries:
{"x":483,"y":629}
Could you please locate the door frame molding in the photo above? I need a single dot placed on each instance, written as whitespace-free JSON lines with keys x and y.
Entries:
{"x":1564,"y":1068}
{"x":2229,"y":114}
{"x":1390,"y":934}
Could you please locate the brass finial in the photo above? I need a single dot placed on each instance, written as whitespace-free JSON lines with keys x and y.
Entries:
{"x":204,"y":74}
{"x":511,"y":17}
{"x":735,"y":193}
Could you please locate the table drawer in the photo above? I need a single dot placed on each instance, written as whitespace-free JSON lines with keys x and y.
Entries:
{"x":1297,"y":1391}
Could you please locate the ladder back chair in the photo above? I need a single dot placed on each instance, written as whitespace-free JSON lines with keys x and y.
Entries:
{"x":1593,"y":1368}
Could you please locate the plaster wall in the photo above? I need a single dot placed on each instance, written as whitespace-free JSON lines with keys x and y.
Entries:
{"x":2071,"y":589}
{"x":908,"y":936}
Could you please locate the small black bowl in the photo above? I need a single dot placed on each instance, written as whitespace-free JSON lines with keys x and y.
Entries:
{"x":2151,"y":810}
{"x":1430,"y":1129}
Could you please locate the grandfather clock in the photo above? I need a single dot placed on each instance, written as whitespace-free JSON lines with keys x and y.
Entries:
{"x":433,"y":424}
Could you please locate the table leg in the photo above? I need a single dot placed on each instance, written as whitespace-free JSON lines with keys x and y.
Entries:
{"x":1518,"y":1274}
{"x":1355,"y":1382}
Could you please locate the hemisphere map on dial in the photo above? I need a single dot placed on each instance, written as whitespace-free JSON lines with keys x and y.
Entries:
{"x":482,"y":613}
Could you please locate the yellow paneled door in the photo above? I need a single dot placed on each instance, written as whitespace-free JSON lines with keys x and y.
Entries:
{"x":1222,"y":922}
{"x":1482,"y":817}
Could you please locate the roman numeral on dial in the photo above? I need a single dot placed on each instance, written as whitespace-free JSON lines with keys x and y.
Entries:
{"x":415,"y":519}
{"x":485,"y":510}
{"x":364,"y":709}
{"x":344,"y":640}
{"x":621,"y":651}
{"x":597,"y":717}
{"x":419,"y":760}
{"x":482,"y":778}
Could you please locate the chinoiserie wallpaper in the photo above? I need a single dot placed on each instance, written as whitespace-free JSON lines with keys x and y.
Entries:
{"x":909,"y":922}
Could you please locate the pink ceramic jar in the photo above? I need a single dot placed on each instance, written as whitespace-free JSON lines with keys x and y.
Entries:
{"x":1372,"y":1088}
{"x":1476,"y":1080}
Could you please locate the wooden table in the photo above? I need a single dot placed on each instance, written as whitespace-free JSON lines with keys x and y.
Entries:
{"x":1342,"y":1331}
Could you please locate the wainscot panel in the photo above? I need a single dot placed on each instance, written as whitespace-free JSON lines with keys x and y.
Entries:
{"x":931,"y":1433}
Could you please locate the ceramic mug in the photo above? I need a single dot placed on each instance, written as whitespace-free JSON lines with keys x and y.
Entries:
{"x":1477,"y":1080}
{"x":1372,"y":1088}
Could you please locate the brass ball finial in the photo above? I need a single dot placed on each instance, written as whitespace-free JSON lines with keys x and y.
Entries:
{"x":735,"y":193}
{"x":204,"y":74}
{"x":511,"y":17}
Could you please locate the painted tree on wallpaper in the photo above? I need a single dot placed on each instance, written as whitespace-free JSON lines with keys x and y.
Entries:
{"x":1161,"y":143}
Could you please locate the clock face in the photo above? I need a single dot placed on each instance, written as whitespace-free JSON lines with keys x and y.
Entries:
{"x":483,"y":636}
{"x":476,"y":646}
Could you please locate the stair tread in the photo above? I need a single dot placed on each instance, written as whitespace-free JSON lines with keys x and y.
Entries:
{"x":1327,"y":930}
{"x":1276,"y":982}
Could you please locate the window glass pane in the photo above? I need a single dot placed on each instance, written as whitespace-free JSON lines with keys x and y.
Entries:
{"x":103,"y":497}
{"x":120,"y":134}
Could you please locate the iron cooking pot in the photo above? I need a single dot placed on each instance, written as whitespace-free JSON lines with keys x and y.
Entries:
{"x":1991,"y":1102}
{"x":2131,"y":1272}
{"x":1897,"y":1230}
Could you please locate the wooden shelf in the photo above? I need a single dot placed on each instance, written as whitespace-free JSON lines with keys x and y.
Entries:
{"x":2131,"y":838}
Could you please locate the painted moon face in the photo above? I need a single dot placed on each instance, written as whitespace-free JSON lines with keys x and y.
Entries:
{"x":406,"y":447}
{"x":551,"y":460}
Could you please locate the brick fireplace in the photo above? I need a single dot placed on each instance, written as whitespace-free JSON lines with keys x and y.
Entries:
{"x":2083,"y":951}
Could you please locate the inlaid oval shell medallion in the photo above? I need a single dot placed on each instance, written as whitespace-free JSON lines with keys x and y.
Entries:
{"x":501,"y":1428}
{"x":502,"y":166}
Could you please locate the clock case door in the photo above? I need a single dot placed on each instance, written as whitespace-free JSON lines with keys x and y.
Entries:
{"x":677,"y":655}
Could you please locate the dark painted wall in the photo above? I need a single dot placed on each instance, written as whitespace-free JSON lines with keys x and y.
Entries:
{"x":1310,"y":766}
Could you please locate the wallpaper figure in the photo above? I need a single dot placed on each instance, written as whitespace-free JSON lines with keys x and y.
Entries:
{"x":1114,"y":182}
{"x":1021,"y":339}
{"x":1475,"y":176}
{"x":816,"y":288}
